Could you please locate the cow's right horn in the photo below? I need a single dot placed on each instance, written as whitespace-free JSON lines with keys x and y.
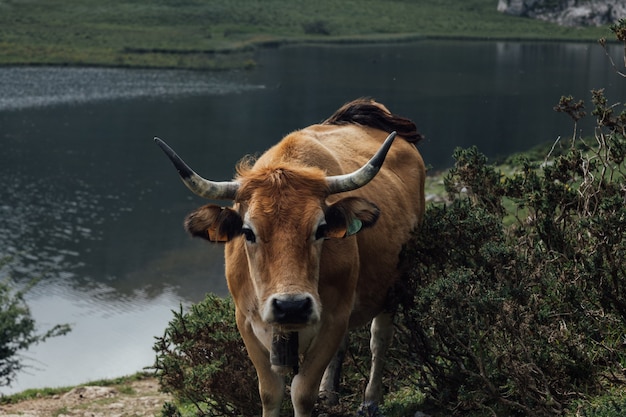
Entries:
{"x":225,"y":190}
{"x":360,"y":177}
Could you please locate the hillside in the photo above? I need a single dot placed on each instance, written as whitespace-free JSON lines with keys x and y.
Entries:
{"x":218,"y":34}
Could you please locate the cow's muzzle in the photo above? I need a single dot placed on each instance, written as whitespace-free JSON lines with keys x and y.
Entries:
{"x":286,"y":309}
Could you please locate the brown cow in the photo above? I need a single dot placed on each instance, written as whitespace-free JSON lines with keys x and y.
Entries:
{"x":299,"y":273}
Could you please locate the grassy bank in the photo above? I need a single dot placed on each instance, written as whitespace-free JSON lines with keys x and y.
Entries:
{"x":221,"y":34}
{"x":135,"y":395}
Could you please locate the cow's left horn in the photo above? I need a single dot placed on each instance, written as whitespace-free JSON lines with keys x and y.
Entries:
{"x":212,"y":190}
{"x":360,"y":177}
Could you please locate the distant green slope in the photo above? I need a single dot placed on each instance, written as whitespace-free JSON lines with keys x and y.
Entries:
{"x":204,"y":33}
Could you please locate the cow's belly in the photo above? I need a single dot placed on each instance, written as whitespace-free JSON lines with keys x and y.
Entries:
{"x":379,"y":255}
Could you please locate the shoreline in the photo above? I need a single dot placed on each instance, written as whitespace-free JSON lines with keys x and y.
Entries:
{"x":242,"y":57}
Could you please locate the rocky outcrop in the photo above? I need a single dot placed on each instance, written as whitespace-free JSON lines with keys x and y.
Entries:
{"x":567,"y":12}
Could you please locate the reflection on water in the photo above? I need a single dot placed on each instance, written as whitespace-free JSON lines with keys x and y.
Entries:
{"x":91,"y":207}
{"x":45,"y":86}
{"x":61,"y":221}
{"x":110,"y":334}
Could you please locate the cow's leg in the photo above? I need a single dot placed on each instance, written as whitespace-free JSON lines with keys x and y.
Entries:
{"x":381,"y":335}
{"x":305,"y":385}
{"x":330,"y":381}
{"x":271,"y":384}
{"x":271,"y":390}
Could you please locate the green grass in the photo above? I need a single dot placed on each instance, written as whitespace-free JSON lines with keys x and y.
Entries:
{"x":222,"y":34}
{"x":612,"y":404}
{"x":121,"y":383}
{"x":30,"y":394}
{"x":60,"y":412}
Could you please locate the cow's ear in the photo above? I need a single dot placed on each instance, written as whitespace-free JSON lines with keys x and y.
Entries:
{"x":214,"y":223}
{"x":348,"y":216}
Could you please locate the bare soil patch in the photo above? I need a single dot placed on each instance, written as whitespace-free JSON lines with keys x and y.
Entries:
{"x":132,"y":399}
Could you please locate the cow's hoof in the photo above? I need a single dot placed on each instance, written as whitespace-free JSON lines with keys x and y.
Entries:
{"x":329,"y":398}
{"x":369,"y":409}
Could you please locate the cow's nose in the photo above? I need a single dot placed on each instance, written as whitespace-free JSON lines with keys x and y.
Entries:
{"x":292,"y":310}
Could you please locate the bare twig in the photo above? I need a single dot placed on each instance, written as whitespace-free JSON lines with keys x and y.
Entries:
{"x":602,"y":43}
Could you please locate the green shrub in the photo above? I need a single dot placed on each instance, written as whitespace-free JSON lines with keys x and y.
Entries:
{"x":610,"y":404}
{"x":17,"y":330}
{"x":524,"y":319}
{"x":202,"y":361}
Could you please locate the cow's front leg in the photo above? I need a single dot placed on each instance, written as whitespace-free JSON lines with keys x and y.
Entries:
{"x":305,"y":385}
{"x":329,"y":387}
{"x":271,"y":384}
{"x":271,"y":390}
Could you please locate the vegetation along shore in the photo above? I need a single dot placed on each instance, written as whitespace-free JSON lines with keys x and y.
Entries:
{"x":216,"y":34}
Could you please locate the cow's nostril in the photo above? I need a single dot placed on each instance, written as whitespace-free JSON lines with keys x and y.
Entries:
{"x":292,"y":310}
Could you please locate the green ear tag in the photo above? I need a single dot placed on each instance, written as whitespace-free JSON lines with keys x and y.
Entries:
{"x":354,"y":227}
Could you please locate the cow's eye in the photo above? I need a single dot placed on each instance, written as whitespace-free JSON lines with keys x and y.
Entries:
{"x":248,"y":234}
{"x":321,"y":231}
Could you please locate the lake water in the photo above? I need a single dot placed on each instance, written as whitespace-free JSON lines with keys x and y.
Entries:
{"x":90,"y":206}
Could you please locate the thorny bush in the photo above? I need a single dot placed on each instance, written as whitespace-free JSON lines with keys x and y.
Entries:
{"x":525,"y":318}
{"x":201,"y":360}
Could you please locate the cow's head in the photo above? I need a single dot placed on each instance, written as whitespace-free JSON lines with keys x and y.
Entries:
{"x":281,"y":216}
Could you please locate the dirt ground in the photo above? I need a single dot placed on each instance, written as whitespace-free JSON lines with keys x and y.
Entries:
{"x":136,"y":398}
